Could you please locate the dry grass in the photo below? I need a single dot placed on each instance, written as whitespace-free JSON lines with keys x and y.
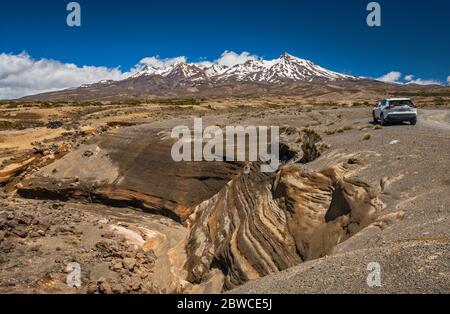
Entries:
{"x":347,"y":127}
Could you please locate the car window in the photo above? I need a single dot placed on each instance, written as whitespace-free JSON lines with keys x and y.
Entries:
{"x":398,"y":103}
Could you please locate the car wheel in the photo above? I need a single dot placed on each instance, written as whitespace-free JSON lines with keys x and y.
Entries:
{"x":383,"y":121}
{"x":375,"y":120}
{"x":413,"y":122}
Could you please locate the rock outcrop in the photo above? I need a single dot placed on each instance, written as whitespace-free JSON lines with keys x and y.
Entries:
{"x":131,"y":167}
{"x":243,"y":224}
{"x":260,"y":224}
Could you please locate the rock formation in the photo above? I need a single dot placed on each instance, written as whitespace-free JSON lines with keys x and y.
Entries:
{"x":131,"y":167}
{"x":259,"y":224}
{"x":242,"y":224}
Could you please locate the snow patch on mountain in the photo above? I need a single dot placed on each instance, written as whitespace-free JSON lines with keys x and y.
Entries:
{"x":283,"y":69}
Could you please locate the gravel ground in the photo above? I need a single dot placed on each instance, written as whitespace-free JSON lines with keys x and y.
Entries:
{"x":410,"y":165}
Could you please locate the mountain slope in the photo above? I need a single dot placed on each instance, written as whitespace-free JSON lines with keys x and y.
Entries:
{"x":285,"y":68}
{"x":284,"y":76}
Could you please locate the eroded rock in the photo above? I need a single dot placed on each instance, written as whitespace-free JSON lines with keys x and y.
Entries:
{"x":310,"y":139}
{"x":259,"y":224}
{"x":131,"y":167}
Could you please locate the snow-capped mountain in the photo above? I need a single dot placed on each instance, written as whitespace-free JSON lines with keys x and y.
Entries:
{"x":214,"y":70}
{"x":288,"y":67}
{"x":283,"y":69}
{"x":153,"y":70}
{"x":286,"y":75}
{"x":248,"y":71}
{"x":183,"y":71}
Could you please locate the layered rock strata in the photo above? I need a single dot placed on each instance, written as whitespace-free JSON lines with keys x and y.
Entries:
{"x":259,"y":224}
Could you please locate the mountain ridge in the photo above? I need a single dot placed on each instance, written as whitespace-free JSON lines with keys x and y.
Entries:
{"x":285,"y":68}
{"x":285,"y":76}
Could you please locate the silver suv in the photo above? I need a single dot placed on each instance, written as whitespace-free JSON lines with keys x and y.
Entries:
{"x":395,"y":110}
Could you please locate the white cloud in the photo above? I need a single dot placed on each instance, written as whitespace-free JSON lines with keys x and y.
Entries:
{"x":231,"y":58}
{"x":227,"y":59}
{"x":20,"y":75}
{"x":396,"y":77}
{"x":448,"y":79}
{"x":204,"y":64}
{"x":158,"y":63}
{"x":420,"y":81}
{"x":391,"y":77}
{"x":410,"y":79}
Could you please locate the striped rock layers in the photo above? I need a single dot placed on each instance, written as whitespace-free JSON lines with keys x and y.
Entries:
{"x":260,"y":224}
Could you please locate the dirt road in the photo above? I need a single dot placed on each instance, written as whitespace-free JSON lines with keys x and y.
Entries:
{"x":435,"y":118}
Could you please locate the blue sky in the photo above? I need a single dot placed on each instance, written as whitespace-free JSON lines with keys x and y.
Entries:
{"x":413,"y":38}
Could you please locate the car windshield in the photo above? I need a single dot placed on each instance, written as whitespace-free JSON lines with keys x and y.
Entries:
{"x":398,"y":103}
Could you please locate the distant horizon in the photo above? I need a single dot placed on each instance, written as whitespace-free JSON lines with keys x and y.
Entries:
{"x":40,"y":53}
{"x":86,"y":74}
